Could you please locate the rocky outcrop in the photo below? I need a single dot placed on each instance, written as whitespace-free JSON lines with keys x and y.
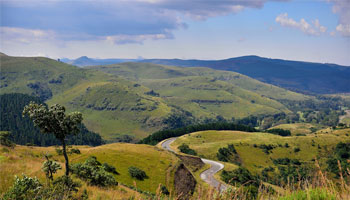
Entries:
{"x":184,"y":182}
{"x":194,"y":163}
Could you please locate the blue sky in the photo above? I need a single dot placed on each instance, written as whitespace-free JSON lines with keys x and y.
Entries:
{"x":307,"y":30}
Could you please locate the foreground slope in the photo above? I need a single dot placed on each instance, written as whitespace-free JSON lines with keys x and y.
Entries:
{"x":158,"y":164}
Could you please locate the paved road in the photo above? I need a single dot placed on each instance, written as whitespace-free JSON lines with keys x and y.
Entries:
{"x":207,"y":175}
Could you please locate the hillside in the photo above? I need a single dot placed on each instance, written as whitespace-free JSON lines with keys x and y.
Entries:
{"x":111,"y":106}
{"x":86,"y":61}
{"x":295,"y":75}
{"x":159,"y":165}
{"x":249,"y":146}
{"x":204,"y":92}
{"x":137,"y":99}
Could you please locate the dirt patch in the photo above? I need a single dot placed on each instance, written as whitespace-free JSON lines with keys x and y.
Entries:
{"x":193,"y":163}
{"x":184,"y":183}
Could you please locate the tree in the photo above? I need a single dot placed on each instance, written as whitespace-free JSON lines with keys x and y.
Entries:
{"x":54,"y":120}
{"x":50,"y":167}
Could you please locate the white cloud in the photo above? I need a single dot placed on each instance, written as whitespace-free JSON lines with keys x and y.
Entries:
{"x":342,"y":8}
{"x":25,"y":36}
{"x":125,"y":39}
{"x":344,"y":29}
{"x":314,"y":29}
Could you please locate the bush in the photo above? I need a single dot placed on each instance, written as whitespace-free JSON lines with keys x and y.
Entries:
{"x":184,"y":148}
{"x":279,"y":131}
{"x":4,"y":139}
{"x":296,"y":149}
{"x":228,"y":154}
{"x":76,"y":151}
{"x":239,"y":176}
{"x":137,"y":173}
{"x":94,"y":173}
{"x":109,"y":168}
{"x":24,"y":188}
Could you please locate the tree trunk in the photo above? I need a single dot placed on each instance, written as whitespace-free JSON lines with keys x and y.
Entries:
{"x":65,"y":157}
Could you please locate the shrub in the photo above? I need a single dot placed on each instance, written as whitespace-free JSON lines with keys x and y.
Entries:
{"x":23,"y":188}
{"x":4,"y":135}
{"x":137,"y":173}
{"x":296,"y":149}
{"x":109,"y":168}
{"x":76,"y":151}
{"x":184,"y":148}
{"x":94,"y":173}
{"x":239,"y":176}
{"x":228,"y":154}
{"x":279,"y":131}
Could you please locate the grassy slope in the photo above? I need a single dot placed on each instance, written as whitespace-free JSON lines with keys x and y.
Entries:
{"x":91,"y":92}
{"x":207,"y":143}
{"x":298,"y":128}
{"x":148,"y":71}
{"x":157,"y":164}
{"x":113,"y":106}
{"x":180,"y":86}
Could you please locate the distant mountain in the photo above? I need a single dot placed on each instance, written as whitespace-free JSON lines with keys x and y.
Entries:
{"x":294,"y":75}
{"x":86,"y":61}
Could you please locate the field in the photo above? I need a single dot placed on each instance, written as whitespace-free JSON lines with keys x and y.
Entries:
{"x":299,"y":128}
{"x":207,"y":143}
{"x":157,"y":164}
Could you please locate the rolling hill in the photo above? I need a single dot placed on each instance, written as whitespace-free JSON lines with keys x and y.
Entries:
{"x":111,"y":106}
{"x":295,"y":75}
{"x":137,"y":99}
{"x":298,"y":76}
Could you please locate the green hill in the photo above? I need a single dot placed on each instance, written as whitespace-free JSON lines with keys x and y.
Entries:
{"x":138,"y":98}
{"x":204,"y":92}
{"x":111,"y":106}
{"x":249,"y":146}
{"x":158,"y":164}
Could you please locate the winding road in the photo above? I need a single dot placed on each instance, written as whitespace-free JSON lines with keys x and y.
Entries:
{"x":207,"y":175}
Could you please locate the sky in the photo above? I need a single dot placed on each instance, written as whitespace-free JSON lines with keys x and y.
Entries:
{"x":305,"y":30}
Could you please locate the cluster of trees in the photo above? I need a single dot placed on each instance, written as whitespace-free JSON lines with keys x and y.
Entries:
{"x":156,"y":137}
{"x":279,"y":131}
{"x":95,"y":173}
{"x":228,"y":154}
{"x":339,"y":163}
{"x":23,"y":130}
{"x":184,"y":148}
{"x":137,"y":173}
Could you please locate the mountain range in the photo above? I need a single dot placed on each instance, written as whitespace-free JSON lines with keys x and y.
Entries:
{"x":305,"y":77}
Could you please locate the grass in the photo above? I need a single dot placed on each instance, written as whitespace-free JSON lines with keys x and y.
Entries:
{"x":158,"y":165}
{"x":207,"y":143}
{"x":299,"y":128}
{"x":118,"y":105}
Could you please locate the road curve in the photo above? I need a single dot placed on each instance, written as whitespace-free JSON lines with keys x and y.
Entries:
{"x":207,"y":175}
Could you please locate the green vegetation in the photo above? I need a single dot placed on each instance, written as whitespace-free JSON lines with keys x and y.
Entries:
{"x":94,"y":172}
{"x":137,"y":173}
{"x":23,"y":130}
{"x":338,"y":163}
{"x":228,"y":154}
{"x":55,"y":121}
{"x":184,"y":148}
{"x":280,"y":132}
{"x":156,"y":137}
{"x":257,"y":150}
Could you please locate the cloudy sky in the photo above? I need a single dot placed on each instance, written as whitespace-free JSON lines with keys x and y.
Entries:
{"x":308,"y":30}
